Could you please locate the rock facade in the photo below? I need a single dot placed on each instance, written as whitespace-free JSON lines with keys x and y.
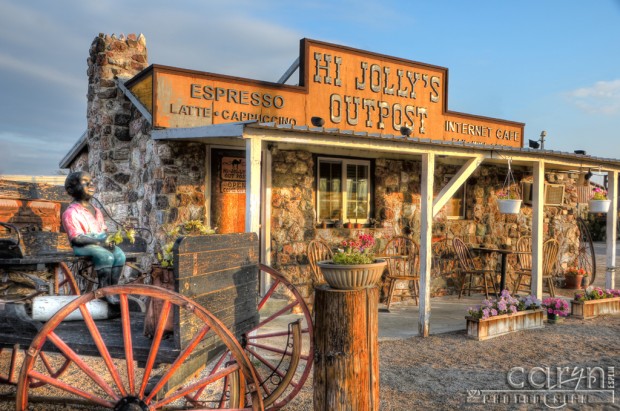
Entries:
{"x":397,"y":209}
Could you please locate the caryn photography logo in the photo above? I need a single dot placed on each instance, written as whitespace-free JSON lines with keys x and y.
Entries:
{"x":551,"y":387}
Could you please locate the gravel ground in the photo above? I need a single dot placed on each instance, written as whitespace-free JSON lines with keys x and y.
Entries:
{"x":437,"y":372}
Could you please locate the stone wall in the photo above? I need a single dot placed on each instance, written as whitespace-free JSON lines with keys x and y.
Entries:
{"x":397,"y":208}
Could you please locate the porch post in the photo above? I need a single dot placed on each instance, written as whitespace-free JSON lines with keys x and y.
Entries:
{"x":252,"y":182}
{"x":612,"y":220}
{"x":538,"y":201}
{"x":426,"y":228}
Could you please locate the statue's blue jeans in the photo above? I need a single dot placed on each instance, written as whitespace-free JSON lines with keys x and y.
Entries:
{"x":102,"y":257}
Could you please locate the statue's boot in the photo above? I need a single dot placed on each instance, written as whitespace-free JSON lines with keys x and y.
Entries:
{"x":105,"y":276}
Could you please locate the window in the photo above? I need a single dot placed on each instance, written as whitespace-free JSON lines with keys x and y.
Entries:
{"x":455,"y":207}
{"x":343,"y":190}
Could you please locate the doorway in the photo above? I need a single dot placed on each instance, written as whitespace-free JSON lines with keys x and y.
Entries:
{"x":228,"y":190}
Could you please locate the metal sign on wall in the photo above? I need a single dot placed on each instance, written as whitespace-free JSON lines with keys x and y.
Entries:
{"x":233,"y":175}
{"x":349,"y":89}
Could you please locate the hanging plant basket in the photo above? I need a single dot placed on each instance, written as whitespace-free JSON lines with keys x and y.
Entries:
{"x":509,"y":206}
{"x":509,"y":201}
{"x":599,"y":206}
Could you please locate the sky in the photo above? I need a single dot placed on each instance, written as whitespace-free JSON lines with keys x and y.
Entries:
{"x":553,"y":65}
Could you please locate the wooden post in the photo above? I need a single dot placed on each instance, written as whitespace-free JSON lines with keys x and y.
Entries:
{"x":346,"y":370}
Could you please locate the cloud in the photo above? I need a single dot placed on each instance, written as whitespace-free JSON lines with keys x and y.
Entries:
{"x":603,"y":97}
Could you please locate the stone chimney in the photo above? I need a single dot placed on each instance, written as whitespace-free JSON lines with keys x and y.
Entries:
{"x":109,"y":111}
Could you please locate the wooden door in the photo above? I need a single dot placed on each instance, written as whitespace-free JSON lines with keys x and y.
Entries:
{"x":228,"y":190}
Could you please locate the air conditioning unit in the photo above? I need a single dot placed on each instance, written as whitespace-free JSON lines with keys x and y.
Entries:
{"x":553,"y":193}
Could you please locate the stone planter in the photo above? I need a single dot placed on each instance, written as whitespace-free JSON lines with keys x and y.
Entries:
{"x":509,"y":206}
{"x":492,"y":327}
{"x":594,"y":308}
{"x":599,"y":206}
{"x":573,"y":282}
{"x":352,"y":276}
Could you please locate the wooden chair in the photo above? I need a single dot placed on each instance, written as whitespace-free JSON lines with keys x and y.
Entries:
{"x":469,"y":267}
{"x":318,"y":250}
{"x":550,"y":252}
{"x":401,"y":254}
{"x":524,"y":244}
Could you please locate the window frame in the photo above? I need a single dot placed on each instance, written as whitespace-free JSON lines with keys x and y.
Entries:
{"x":344,"y":162}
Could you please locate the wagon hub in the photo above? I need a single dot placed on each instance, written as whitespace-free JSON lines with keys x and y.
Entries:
{"x":130,"y":403}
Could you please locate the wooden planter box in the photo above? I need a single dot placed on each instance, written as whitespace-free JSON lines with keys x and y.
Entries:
{"x":503,"y":324}
{"x":594,"y":308}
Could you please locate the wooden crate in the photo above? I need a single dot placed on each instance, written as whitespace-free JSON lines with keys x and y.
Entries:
{"x":219,"y":272}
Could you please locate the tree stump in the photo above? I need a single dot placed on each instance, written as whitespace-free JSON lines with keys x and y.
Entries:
{"x":346,"y":369}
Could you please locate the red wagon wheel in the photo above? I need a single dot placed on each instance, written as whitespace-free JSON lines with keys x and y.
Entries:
{"x":281,"y":345}
{"x":586,"y":257}
{"x":106,"y":370}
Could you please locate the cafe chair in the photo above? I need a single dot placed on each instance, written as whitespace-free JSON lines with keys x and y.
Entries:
{"x":318,"y":250}
{"x":401,"y":254}
{"x":524,"y":245}
{"x":550,"y":252}
{"x":468,"y":267}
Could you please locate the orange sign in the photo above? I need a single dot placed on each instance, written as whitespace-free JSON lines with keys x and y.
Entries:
{"x":349,"y":89}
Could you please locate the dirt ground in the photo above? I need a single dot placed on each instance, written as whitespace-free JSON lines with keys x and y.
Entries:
{"x":438,"y":372}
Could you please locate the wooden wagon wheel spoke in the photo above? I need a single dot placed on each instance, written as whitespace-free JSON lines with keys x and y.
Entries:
{"x":50,"y":369}
{"x":281,"y":345}
{"x":160,"y":381}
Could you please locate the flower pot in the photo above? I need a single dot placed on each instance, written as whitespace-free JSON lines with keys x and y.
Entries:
{"x":509,"y":206}
{"x":554,"y":319}
{"x":585,"y":282}
{"x":352,"y":276}
{"x":492,"y":327}
{"x":599,"y":206}
{"x":594,"y":308}
{"x":573,"y":282}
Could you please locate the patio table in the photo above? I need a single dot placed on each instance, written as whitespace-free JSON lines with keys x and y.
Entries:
{"x":504,"y":252}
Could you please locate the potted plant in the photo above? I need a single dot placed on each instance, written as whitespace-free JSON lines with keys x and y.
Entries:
{"x":190,"y":227}
{"x":573,"y":277}
{"x":503,"y":315}
{"x":354,"y":265}
{"x":557,"y":309}
{"x":508,"y":202}
{"x":599,"y":203}
{"x":595,"y":301}
{"x":508,"y":199}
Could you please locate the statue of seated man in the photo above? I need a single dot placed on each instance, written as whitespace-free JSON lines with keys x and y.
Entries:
{"x":87,"y":231}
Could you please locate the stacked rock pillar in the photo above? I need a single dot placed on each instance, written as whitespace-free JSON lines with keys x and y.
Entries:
{"x":109,"y":111}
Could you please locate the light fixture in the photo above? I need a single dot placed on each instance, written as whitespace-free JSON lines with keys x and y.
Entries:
{"x":317,"y":121}
{"x":405,"y":131}
{"x":588,"y":175}
{"x":540,"y":143}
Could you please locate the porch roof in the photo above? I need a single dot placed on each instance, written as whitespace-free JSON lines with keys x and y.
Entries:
{"x":271,"y":132}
